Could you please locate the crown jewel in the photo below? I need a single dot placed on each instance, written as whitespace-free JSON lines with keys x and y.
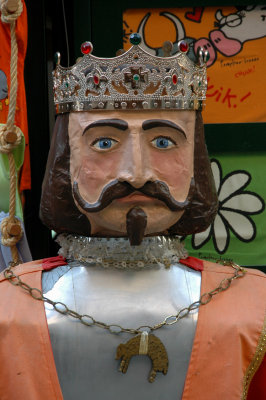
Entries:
{"x":132,"y":80}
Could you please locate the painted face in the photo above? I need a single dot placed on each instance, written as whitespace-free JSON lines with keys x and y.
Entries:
{"x":136,"y":148}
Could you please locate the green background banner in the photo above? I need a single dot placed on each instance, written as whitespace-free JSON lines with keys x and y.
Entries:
{"x":239,"y":230}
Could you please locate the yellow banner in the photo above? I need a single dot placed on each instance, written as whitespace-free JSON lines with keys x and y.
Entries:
{"x":236,"y":40}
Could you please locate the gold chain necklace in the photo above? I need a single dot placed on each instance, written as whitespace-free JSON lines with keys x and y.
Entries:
{"x":143,"y":343}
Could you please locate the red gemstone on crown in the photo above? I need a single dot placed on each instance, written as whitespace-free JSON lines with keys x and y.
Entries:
{"x":183,"y":46}
{"x":86,"y":48}
{"x":174,"y":79}
{"x":96,"y":80}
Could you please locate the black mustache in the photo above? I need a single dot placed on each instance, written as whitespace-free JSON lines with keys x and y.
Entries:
{"x":116,"y":190}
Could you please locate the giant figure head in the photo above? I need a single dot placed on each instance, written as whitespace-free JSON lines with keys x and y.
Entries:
{"x":128,"y":156}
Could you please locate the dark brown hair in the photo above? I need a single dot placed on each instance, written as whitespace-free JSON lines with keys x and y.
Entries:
{"x":59,"y":212}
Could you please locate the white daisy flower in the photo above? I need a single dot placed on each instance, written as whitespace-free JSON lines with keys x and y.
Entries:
{"x":235,"y":207}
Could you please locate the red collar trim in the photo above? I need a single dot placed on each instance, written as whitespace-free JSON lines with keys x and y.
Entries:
{"x":192,"y":262}
{"x":53,"y":262}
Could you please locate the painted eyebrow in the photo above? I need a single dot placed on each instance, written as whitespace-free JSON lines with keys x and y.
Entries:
{"x":115,"y":123}
{"x":155,"y":123}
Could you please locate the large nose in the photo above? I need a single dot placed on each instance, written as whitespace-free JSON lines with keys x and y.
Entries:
{"x":135,"y":166}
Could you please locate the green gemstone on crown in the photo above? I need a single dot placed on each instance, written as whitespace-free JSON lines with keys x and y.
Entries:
{"x":136,"y":77}
{"x":57,"y":57}
{"x":135,"y":38}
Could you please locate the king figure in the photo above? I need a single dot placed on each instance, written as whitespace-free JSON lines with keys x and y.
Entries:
{"x":128,"y":175}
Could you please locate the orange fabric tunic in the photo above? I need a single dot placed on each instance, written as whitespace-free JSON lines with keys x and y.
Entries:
{"x":226,"y":341}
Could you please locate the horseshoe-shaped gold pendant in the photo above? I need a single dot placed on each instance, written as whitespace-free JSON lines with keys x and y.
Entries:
{"x":144,"y":344}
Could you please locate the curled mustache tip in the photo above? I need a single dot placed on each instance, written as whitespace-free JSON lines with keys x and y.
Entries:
{"x":116,"y":190}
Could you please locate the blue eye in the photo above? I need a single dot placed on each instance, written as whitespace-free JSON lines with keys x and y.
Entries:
{"x":163,"y":143}
{"x":104,"y":143}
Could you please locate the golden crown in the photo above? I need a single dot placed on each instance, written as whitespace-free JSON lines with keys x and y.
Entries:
{"x":132,"y":80}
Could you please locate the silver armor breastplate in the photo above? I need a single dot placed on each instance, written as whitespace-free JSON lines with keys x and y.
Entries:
{"x":85,"y":356}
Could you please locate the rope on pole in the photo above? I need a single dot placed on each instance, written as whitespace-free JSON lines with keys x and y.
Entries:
{"x":10,"y":135}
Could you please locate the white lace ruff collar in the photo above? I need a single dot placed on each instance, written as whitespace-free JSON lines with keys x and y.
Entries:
{"x":160,"y":251}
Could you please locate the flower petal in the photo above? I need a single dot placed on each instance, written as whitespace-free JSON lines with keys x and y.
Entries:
{"x":221,"y":235}
{"x":246,"y":202}
{"x":199,"y":239}
{"x":242,"y":226}
{"x":232,"y":183}
{"x":217,"y":173}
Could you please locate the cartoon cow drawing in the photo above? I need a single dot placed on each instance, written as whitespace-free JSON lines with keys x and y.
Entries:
{"x":233,"y":30}
{"x":155,"y":350}
{"x":248,"y":23}
{"x":180,"y":34}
